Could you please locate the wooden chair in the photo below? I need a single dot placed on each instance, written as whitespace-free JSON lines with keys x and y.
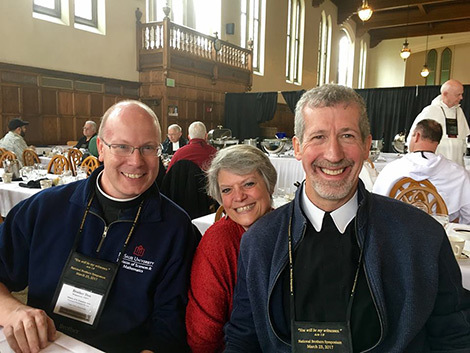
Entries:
{"x":58,"y":164}
{"x":7,"y":155}
{"x":30,"y":157}
{"x":91,"y":163}
{"x":74,"y":156}
{"x":71,"y":143}
{"x":220,"y":212}
{"x":2,"y":150}
{"x":370,"y":163}
{"x":422,"y":194}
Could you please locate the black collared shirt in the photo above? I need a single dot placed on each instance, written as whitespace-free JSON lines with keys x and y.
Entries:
{"x":325,"y":265}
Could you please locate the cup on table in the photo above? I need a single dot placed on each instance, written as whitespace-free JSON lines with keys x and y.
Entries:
{"x":457,"y":245}
{"x":7,"y":177}
{"x":45,"y":183}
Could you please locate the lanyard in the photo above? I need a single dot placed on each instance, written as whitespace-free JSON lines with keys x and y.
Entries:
{"x":291,"y":276}
{"x":78,"y":236}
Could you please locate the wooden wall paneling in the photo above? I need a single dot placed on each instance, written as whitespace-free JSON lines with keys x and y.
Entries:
{"x":30,"y":101}
{"x":50,"y":128}
{"x":49,"y":101}
{"x":108,"y":101}
{"x":81,"y":104}
{"x":66,"y":129}
{"x":11,"y":99}
{"x":65,"y":103}
{"x":96,"y":105}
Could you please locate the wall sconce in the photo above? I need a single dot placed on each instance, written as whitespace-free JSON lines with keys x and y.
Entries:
{"x":365,"y":11}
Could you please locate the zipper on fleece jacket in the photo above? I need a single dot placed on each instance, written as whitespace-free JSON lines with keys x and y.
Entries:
{"x":370,"y":291}
{"x":274,"y":284}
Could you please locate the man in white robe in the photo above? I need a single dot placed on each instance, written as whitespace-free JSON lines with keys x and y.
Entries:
{"x":451,"y":180}
{"x":446,"y":110}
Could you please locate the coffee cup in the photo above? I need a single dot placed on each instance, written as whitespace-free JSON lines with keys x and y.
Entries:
{"x":45,"y":183}
{"x":7,"y":177}
{"x":457,"y":245}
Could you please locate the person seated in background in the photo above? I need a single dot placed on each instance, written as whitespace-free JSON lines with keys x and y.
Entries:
{"x":197,"y":150}
{"x":174,"y":140}
{"x":451,"y":180}
{"x":106,"y":259}
{"x":14,"y":139}
{"x":242,"y":179}
{"x":89,"y":130}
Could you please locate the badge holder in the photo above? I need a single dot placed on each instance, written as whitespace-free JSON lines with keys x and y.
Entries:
{"x":85,"y":282}
{"x":310,"y":337}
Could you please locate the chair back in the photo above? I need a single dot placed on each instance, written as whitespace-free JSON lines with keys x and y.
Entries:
{"x":184,"y":184}
{"x":91,"y":163}
{"x":220,"y":212}
{"x":422,"y":194}
{"x":58,"y":164}
{"x":1,"y":151}
{"x":71,"y":143}
{"x":30,"y":157}
{"x":7,"y":155}
{"x":75,"y":157}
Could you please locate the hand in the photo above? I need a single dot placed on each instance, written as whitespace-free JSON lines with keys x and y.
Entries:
{"x":29,"y":330}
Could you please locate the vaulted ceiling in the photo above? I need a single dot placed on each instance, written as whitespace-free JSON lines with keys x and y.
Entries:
{"x":406,"y":18}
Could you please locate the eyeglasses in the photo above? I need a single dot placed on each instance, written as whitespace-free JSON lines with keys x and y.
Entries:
{"x":125,"y":150}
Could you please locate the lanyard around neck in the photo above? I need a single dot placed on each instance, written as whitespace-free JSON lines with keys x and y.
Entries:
{"x":291,"y":274}
{"x":82,"y":223}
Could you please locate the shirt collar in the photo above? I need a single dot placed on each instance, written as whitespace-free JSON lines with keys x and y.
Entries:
{"x":341,"y":216}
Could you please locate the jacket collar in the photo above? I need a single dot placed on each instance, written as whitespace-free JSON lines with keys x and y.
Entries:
{"x":151,"y":211}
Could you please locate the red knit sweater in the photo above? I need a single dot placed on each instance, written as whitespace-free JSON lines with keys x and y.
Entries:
{"x":213,"y":278}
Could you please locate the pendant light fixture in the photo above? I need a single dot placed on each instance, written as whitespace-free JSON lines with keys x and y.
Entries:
{"x":425,"y":71}
{"x":405,"y":52}
{"x":365,"y":11}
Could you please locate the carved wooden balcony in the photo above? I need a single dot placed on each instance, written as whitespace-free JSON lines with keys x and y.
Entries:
{"x":167,"y":46}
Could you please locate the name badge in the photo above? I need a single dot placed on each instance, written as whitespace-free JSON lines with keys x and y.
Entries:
{"x":310,"y":337}
{"x":452,"y":128}
{"x":83,"y":288}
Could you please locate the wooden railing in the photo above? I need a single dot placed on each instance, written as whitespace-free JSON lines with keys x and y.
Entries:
{"x":166,"y":37}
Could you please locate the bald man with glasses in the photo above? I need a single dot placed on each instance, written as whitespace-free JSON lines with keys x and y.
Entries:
{"x":106,"y":259}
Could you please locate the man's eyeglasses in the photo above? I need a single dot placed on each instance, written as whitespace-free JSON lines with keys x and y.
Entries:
{"x":126,"y":150}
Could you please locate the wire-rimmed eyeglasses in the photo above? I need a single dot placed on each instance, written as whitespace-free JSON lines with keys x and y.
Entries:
{"x":123,"y":150}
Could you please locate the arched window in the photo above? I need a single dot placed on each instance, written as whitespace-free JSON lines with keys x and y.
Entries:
{"x":362,"y":65}
{"x":252,"y":29}
{"x":345,"y":59}
{"x":294,"y":48}
{"x":446,"y":61}
{"x":431,"y":62}
{"x":324,"y":49}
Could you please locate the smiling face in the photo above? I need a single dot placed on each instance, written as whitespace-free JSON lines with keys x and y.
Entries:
{"x":129,"y":176}
{"x":332,"y":154}
{"x":245,"y":197}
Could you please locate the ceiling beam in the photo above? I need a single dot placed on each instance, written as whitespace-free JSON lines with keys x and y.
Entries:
{"x":377,"y":35}
{"x":414,"y":17}
{"x":347,"y":8}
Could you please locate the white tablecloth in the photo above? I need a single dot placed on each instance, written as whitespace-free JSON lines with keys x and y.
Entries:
{"x":63,"y":343}
{"x":289,"y":170}
{"x":11,"y":194}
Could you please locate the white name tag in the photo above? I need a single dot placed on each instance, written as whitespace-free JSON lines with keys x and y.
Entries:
{"x":78,"y":304}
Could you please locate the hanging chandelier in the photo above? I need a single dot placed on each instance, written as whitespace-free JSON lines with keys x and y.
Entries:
{"x":405,"y":52}
{"x":365,"y":11}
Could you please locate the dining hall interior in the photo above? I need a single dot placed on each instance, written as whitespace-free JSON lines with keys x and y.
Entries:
{"x":58,"y":70}
{"x":239,"y":67}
